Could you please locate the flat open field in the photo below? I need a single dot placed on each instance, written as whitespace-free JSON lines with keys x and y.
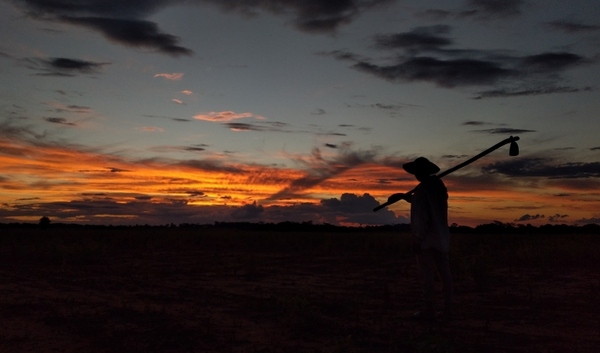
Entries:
{"x":225,"y":290}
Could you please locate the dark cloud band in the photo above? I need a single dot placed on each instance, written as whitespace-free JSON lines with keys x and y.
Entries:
{"x":424,"y":56}
{"x":136,"y":33}
{"x":123,"y":20}
{"x":539,"y":167}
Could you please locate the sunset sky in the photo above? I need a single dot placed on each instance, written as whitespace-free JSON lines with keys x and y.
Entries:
{"x":175,"y":111}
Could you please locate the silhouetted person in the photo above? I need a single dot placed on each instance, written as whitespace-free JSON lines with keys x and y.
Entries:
{"x":430,"y":234}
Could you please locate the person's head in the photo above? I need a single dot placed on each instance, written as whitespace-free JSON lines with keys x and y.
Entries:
{"x":421,"y":168}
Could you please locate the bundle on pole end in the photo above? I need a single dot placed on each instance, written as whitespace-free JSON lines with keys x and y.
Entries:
{"x":514,"y":148}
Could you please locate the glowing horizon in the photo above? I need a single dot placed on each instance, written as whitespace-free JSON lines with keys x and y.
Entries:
{"x":95,"y":178}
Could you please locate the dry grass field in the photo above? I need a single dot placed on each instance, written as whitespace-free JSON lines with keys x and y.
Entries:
{"x":226,"y":290}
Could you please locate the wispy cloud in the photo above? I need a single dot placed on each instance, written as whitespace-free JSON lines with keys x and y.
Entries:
{"x":60,"y":121}
{"x":572,"y":27}
{"x":496,"y":8}
{"x":71,"y":108}
{"x":261,"y":126}
{"x":181,"y":120}
{"x":507,"y":92}
{"x":504,"y":131}
{"x":476,"y":123}
{"x":175,"y":76}
{"x":244,"y":127}
{"x":193,"y":148}
{"x":196,"y":148}
{"x":392,"y":109}
{"x":104,"y":170}
{"x":478,"y":10}
{"x":63,"y":67}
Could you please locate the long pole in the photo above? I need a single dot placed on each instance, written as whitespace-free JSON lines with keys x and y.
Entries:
{"x":513,"y":151}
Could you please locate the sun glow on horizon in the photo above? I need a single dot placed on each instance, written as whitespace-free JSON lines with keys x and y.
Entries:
{"x":37,"y":175}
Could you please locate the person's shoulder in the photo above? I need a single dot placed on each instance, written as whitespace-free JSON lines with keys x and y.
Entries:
{"x":431,"y":183}
{"x":433,"y":180}
{"x":435,"y":183}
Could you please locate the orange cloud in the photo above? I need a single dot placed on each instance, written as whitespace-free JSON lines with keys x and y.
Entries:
{"x":51,"y":174}
{"x":151,"y":129}
{"x":226,"y":116}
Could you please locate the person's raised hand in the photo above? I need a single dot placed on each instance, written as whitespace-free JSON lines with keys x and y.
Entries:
{"x":396,"y":197}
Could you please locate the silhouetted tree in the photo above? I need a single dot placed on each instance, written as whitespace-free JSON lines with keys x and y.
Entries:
{"x":44,"y":222}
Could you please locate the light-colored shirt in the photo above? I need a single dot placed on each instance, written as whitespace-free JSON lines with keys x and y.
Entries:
{"x":429,"y":215}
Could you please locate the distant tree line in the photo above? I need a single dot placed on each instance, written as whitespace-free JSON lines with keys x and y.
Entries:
{"x":496,"y":227}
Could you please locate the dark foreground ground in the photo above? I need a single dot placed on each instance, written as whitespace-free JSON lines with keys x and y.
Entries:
{"x":183,"y":290}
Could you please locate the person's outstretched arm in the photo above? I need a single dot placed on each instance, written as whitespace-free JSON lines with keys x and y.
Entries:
{"x":400,"y":196}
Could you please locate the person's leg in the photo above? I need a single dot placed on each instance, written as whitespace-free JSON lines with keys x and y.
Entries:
{"x":443,"y":266}
{"x":427,"y":267}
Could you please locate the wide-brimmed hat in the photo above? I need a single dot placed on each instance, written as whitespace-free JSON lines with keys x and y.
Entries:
{"x":421,"y":165}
